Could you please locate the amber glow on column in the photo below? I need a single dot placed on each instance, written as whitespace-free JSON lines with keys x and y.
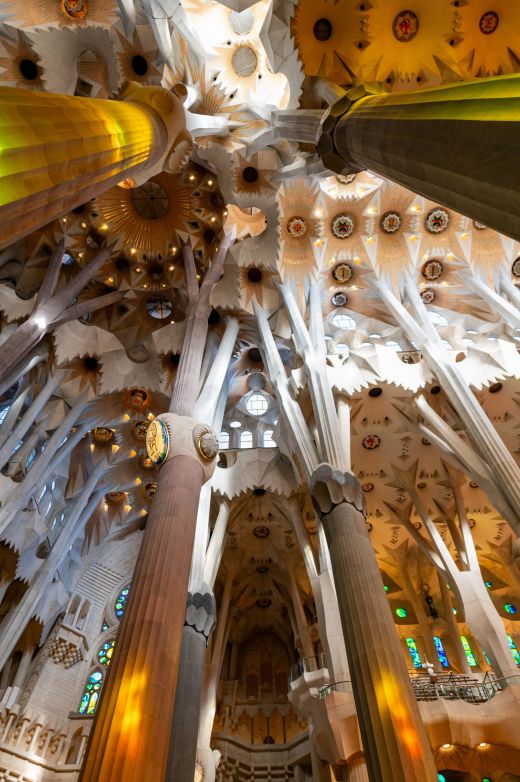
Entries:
{"x":389,"y":701}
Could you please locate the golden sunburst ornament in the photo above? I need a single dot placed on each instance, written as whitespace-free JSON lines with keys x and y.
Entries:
{"x":488,"y":37}
{"x":329,"y":35}
{"x":64,"y":12}
{"x":148,"y":217}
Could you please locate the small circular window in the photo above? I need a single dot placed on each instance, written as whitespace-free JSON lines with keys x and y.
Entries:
{"x":257,"y":404}
{"x":159,"y":307}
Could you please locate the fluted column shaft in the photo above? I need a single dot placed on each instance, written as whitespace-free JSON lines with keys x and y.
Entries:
{"x":131,"y":733}
{"x":357,"y":770}
{"x":59,"y":151}
{"x":394,"y":738}
{"x":455,"y":144}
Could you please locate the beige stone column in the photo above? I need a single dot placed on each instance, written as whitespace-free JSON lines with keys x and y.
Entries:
{"x":394,"y":738}
{"x":131,"y":733}
{"x":357,"y":770}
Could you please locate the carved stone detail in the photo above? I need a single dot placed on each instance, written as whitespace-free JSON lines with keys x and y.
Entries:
{"x":331,"y":487}
{"x":201,"y":611}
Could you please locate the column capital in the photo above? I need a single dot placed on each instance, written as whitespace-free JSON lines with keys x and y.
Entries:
{"x":331,"y":487}
{"x":201,"y":611}
{"x":170,"y":435}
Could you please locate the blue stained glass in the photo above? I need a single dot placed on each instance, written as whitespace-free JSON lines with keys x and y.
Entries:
{"x":514,"y":650}
{"x":90,"y":697}
{"x":414,"y":654}
{"x":441,"y":777}
{"x":509,"y":608}
{"x":121,"y":602}
{"x":441,"y":653}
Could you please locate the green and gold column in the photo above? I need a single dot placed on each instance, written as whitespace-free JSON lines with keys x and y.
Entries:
{"x":59,"y":151}
{"x":457,"y":144}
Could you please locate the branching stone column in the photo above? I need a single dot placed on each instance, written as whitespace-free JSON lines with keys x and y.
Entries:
{"x":201,"y":614}
{"x":131,"y":734}
{"x":59,"y":151}
{"x":465,"y":160}
{"x":394,"y":738}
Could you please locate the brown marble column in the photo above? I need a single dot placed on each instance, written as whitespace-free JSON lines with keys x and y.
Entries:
{"x":394,"y":738}
{"x":130,"y":737}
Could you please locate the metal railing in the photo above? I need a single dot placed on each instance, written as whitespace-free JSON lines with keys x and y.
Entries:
{"x":448,"y":686}
{"x":308,"y":665}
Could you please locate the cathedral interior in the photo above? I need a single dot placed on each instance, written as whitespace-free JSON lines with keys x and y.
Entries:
{"x":259,"y":391}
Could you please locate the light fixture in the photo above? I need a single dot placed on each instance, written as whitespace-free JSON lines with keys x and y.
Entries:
{"x":446,"y":746}
{"x":483,"y":744}
{"x":235,"y":424}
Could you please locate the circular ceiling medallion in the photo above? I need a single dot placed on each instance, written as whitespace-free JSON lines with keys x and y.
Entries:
{"x":296,"y":227}
{"x":405,"y":26}
{"x":263,"y":602}
{"x":432,"y":270}
{"x":342,"y":225}
{"x":149,"y":489}
{"x":436,"y":221}
{"x":342,"y":272}
{"x":371,"y":441}
{"x":140,"y":429}
{"x":261,"y":532}
{"x":150,"y":200}
{"x":255,"y":381}
{"x":339,"y":299}
{"x":75,"y":9}
{"x":138,"y":397}
{"x":425,"y":441}
{"x":157,"y":441}
{"x":244,"y":61}
{"x":367,"y":486}
{"x":390,"y":222}
{"x":516,"y":267}
{"x":146,"y":462}
{"x":428,"y":295}
{"x":322,"y":29}
{"x":345,"y":179}
{"x":102,"y":434}
{"x":488,"y":22}
{"x":254,"y":274}
{"x":262,"y":569}
{"x":116,"y":497}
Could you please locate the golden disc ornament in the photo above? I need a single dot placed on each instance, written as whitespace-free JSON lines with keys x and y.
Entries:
{"x":157,"y":441}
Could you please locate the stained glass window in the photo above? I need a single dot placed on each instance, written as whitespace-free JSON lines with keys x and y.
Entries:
{"x":90,"y":697}
{"x":514,"y":650}
{"x":246,"y":439}
{"x":509,"y":608}
{"x":468,"y":651}
{"x":121,"y":602}
{"x":223,"y":440}
{"x":441,"y":777}
{"x":104,"y":627}
{"x":257,"y":404}
{"x":268,"y":439}
{"x":441,"y":653}
{"x":104,"y":654}
{"x":414,"y":654}
{"x":402,"y":613}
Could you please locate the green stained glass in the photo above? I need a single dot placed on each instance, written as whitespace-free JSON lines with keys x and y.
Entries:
{"x":514,"y":650}
{"x":401,"y":613}
{"x":414,"y":654}
{"x":104,"y":654}
{"x":121,"y":602}
{"x":90,"y":696}
{"x":509,"y":608}
{"x":468,"y":651}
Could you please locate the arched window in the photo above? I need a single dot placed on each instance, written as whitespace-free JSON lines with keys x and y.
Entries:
{"x":468,"y":651}
{"x":90,"y":696}
{"x":105,"y":653}
{"x":246,"y":439}
{"x":121,"y":601}
{"x":223,"y":440}
{"x":514,"y":650}
{"x":268,"y":439}
{"x":441,"y":653}
{"x":414,"y":654}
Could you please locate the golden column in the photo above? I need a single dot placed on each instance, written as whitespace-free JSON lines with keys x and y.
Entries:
{"x":457,"y":144}
{"x":59,"y":151}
